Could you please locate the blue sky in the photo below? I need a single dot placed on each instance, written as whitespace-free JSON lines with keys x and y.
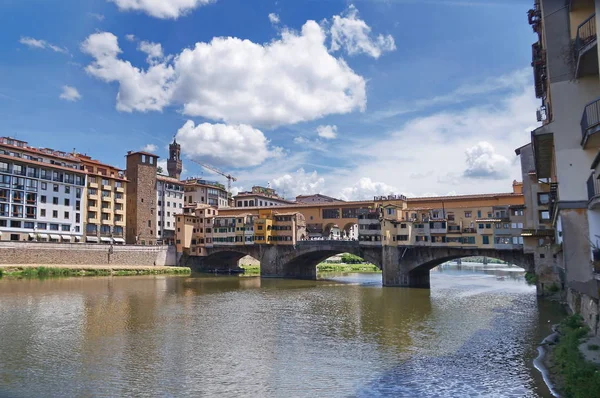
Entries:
{"x":373,"y":97}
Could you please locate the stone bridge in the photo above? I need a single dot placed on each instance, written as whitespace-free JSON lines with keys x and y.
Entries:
{"x":406,"y":266}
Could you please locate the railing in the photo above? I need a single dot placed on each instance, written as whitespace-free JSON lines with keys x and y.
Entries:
{"x":593,"y":187}
{"x":586,"y":34}
{"x":590,"y":118}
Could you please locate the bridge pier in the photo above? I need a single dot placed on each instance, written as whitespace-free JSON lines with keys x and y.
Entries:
{"x":399,"y":271}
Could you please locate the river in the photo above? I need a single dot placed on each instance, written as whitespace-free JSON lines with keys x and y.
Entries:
{"x":474,"y":334}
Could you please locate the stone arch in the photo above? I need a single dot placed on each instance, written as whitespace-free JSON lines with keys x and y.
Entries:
{"x":223,"y":258}
{"x":351,"y":230}
{"x":417,"y":262}
{"x":328,"y":228}
{"x":301,"y":262}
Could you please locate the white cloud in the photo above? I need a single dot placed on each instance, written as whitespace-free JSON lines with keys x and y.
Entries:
{"x":99,"y":17}
{"x":150,"y":148}
{"x":164,"y":9}
{"x":139,"y":90}
{"x":484,"y":162}
{"x":328,"y":132}
{"x":162,"y":164}
{"x":42,"y":44}
{"x":130,"y":37}
{"x":227,"y":145}
{"x":512,"y":81}
{"x":70,"y":93}
{"x":298,"y":183}
{"x":274,"y":18}
{"x":352,"y":34}
{"x":154,"y":51}
{"x":426,"y":155}
{"x":366,"y":189}
{"x":286,"y":81}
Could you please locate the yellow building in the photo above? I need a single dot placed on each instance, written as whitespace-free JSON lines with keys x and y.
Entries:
{"x":105,"y":202}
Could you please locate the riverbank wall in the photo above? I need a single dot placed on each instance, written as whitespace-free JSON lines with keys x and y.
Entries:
{"x":588,"y":307}
{"x":83,"y":254}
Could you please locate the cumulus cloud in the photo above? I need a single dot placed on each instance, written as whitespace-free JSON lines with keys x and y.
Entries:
{"x":153,"y":50}
{"x":130,"y":37}
{"x":327,"y":132}
{"x":139,"y":90}
{"x":150,"y":148}
{"x":484,"y":162}
{"x":289,"y":80}
{"x":274,"y":18}
{"x":222,"y":144}
{"x":42,"y":44}
{"x":352,"y":34}
{"x":70,"y":93}
{"x":164,"y":9}
{"x":299,"y":183}
{"x":366,"y":189}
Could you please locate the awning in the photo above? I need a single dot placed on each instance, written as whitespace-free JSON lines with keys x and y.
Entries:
{"x":91,"y":239}
{"x":119,"y":240}
{"x":56,"y":237}
{"x":105,"y":239}
{"x":66,"y":237}
{"x":31,"y":235}
{"x":78,"y":238}
{"x":43,"y":236}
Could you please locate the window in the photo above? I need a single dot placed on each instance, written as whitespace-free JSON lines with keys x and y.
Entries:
{"x":481,"y":226}
{"x":543,"y":198}
{"x":67,"y":202}
{"x":478,"y":213}
{"x":105,"y":181}
{"x":331,"y":213}
{"x":517,"y":212}
{"x":78,"y":193}
{"x":55,"y":200}
{"x":77,"y":205}
{"x":15,"y":224}
{"x":67,"y":189}
{"x":488,"y":226}
{"x":544,"y":215}
{"x":44,"y":186}
{"x":66,"y":215}
{"x":42,"y":212}
{"x":486,"y":239}
{"x":54,"y":213}
{"x":53,"y":227}
{"x":65,"y":227}
{"x":77,"y":217}
{"x":55,"y":188}
{"x":42,"y":226}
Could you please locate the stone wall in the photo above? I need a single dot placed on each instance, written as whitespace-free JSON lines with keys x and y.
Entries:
{"x":83,"y":254}
{"x":587,"y":306}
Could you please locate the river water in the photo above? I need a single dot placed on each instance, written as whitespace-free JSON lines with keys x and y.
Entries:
{"x":474,"y":334}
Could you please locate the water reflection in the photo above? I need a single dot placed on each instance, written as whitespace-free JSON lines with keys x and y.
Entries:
{"x":474,"y":333}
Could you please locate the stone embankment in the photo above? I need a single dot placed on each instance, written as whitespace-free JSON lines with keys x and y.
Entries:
{"x":35,"y":253}
{"x":52,"y":270}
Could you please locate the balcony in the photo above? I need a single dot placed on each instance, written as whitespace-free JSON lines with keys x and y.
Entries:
{"x":593,"y":188}
{"x":586,"y":48}
{"x":538,"y":62}
{"x":590,"y":125}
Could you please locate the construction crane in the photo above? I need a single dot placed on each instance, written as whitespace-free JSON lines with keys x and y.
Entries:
{"x":211,"y":168}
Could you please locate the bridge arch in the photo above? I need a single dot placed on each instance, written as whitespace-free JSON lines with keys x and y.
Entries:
{"x":417,"y":262}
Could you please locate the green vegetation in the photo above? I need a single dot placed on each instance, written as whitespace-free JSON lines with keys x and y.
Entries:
{"x":1,"y":272}
{"x":531,"y":278}
{"x":324,"y":267}
{"x":593,"y":347}
{"x":50,"y":272}
{"x":580,"y":379}
{"x":348,"y":258}
{"x":553,"y":288}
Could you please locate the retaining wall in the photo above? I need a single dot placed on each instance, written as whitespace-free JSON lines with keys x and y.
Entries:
{"x":85,"y":254}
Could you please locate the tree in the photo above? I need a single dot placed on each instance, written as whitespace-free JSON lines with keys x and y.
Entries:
{"x":159,"y":170}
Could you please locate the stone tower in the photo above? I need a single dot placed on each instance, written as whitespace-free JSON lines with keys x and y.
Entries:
{"x":141,"y":198}
{"x":174,"y":165}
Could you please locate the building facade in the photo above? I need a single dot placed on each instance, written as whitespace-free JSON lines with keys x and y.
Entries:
{"x":42,"y":193}
{"x":141,"y":198}
{"x":105,"y":202}
{"x":259,"y":197}
{"x":565,"y":63}
{"x":169,"y":202}
{"x":206,"y":192}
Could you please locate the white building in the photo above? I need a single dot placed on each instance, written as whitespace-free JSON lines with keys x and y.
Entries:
{"x":170,"y":201}
{"x":41,"y":193}
{"x":259,"y":197}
